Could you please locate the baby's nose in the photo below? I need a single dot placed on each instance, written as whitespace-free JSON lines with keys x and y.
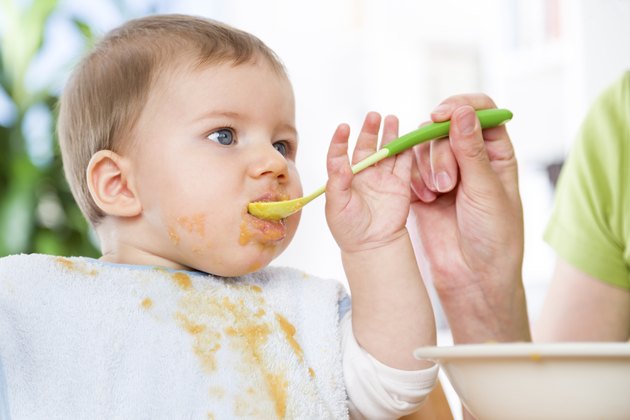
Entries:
{"x":267,"y":161}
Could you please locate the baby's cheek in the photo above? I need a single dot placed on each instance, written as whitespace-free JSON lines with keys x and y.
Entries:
{"x":194,"y":224}
{"x":188,"y":231}
{"x":173,"y":235}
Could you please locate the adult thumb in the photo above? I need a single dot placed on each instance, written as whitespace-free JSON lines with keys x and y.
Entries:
{"x":470,"y":152}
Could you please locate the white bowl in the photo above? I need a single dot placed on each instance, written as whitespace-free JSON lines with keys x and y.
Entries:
{"x":528,"y":381}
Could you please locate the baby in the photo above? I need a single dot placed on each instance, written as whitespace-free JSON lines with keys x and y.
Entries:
{"x":169,"y":128}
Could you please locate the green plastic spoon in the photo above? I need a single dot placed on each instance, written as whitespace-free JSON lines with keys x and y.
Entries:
{"x":276,"y":210}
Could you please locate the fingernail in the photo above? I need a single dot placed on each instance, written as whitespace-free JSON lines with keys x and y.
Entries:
{"x":443,"y":181}
{"x":431,"y":183}
{"x":427,"y":196}
{"x":467,"y":121}
{"x":441,"y":109}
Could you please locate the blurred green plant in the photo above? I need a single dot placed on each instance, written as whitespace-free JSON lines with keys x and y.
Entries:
{"x":37,"y":211}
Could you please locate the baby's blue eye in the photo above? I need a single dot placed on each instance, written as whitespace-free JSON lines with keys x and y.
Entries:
{"x":281,"y":147}
{"x":224,"y":136}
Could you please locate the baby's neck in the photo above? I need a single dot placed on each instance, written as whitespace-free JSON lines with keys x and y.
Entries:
{"x":123,"y":242}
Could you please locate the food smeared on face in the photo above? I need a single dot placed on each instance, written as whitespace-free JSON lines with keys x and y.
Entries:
{"x":255,"y":266}
{"x":173,"y":236}
{"x":265,"y":232}
{"x":193,"y":224}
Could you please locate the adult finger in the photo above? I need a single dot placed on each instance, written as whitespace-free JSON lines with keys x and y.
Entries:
{"x":444,"y":169}
{"x":477,"y":175}
{"x":419,"y":191}
{"x":421,"y":174}
{"x":423,"y":160}
{"x":445,"y":109}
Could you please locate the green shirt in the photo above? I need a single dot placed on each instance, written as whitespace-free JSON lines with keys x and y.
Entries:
{"x":590,"y":223}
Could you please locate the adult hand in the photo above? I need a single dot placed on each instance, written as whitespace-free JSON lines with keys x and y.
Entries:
{"x":467,"y":211}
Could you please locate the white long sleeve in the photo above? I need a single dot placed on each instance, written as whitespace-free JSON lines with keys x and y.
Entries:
{"x":376,"y":391}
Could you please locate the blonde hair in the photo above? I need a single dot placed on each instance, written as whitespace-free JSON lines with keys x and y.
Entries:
{"x":108,"y":90}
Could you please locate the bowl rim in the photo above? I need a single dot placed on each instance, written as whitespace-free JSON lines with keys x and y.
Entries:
{"x":527,"y":350}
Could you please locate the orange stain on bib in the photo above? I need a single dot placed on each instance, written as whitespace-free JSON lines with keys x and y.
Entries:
{"x":182,"y":280}
{"x":146,"y":303}
{"x":76,"y":266}
{"x":242,"y":324}
{"x":289,"y":331}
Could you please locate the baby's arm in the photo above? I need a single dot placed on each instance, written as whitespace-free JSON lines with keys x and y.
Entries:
{"x":367,"y":213}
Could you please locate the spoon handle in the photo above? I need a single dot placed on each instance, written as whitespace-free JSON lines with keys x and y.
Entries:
{"x":488,"y":118}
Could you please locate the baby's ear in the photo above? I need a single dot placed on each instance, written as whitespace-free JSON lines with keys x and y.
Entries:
{"x":110,"y":181}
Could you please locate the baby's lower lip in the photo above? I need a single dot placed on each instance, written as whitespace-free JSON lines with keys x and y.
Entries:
{"x":263,"y":231}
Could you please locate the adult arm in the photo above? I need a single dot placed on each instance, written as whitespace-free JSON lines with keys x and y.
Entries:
{"x":580,"y":307}
{"x":589,"y":294}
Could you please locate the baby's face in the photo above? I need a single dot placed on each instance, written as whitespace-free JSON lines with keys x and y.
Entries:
{"x":209,"y":142}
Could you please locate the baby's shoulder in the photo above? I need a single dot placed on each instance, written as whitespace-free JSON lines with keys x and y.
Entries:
{"x":38,"y":269}
{"x":33,"y":263}
{"x":24,"y":262}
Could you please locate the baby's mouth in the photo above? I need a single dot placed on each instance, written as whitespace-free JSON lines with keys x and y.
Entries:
{"x":266,"y":231}
{"x":256,"y":208}
{"x":262,"y":230}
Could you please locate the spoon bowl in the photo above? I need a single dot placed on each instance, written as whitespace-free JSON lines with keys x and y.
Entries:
{"x":277,"y":210}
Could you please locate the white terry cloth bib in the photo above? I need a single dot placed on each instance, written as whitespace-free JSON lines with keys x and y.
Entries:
{"x":81,"y":338}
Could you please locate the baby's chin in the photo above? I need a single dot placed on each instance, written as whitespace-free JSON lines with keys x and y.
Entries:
{"x":258,"y":244}
{"x":239,"y":265}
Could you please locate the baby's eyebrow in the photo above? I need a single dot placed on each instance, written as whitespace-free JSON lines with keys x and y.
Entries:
{"x":289,"y":127}
{"x":215,"y":114}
